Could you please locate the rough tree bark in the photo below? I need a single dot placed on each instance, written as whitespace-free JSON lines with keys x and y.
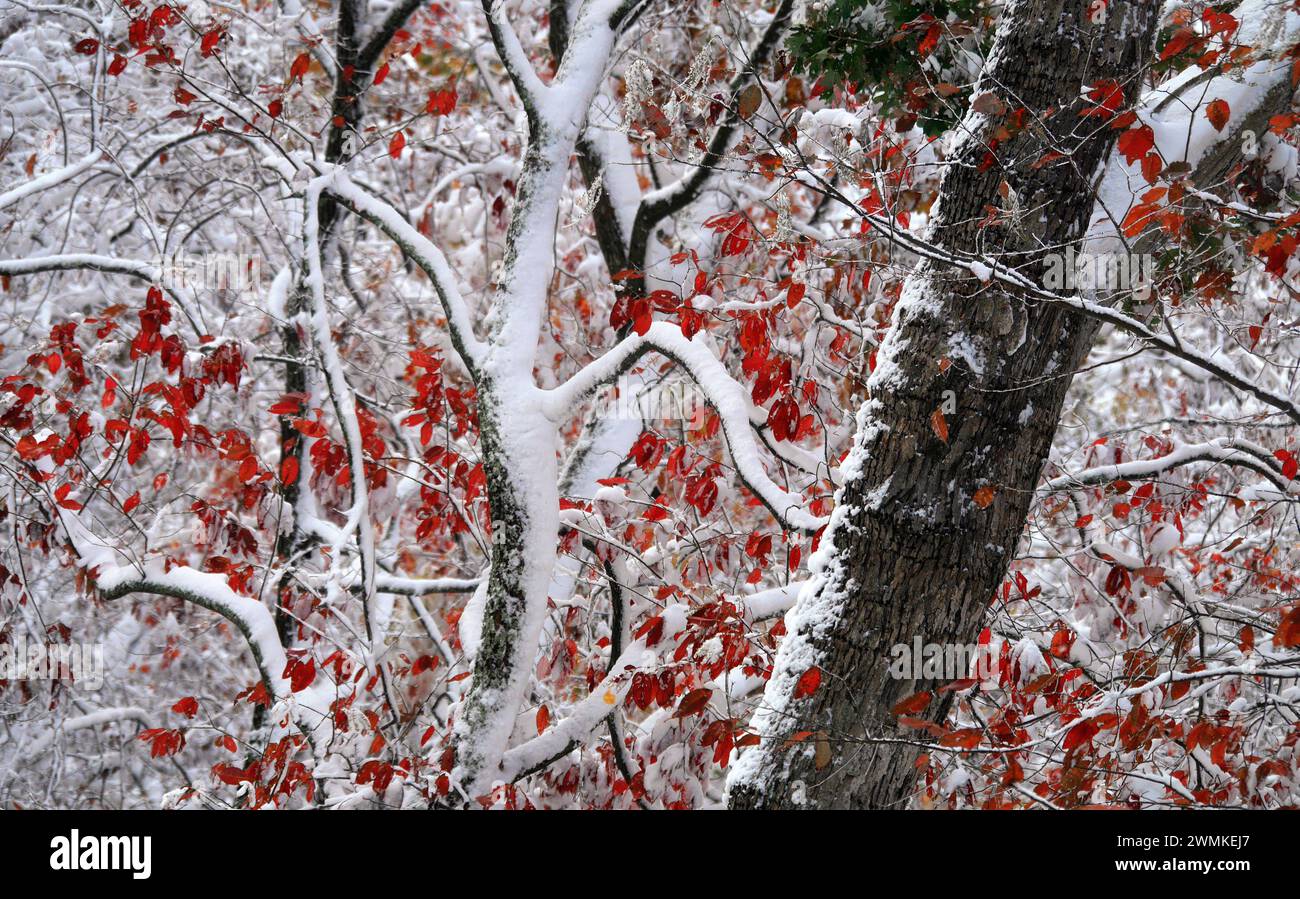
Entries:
{"x":928,"y":522}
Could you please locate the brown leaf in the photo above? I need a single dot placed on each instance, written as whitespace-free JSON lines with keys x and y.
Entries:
{"x":989,"y":104}
{"x":984,"y":496}
{"x":693,"y":702}
{"x":747,"y":102}
{"x":1153,"y":575}
{"x":821,"y":751}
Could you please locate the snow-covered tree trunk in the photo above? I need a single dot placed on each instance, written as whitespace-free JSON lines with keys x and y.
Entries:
{"x":963,"y":406}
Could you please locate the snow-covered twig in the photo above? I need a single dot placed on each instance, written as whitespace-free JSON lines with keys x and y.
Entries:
{"x":719,"y":388}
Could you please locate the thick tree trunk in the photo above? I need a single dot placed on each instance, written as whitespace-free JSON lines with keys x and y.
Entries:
{"x":926,"y":526}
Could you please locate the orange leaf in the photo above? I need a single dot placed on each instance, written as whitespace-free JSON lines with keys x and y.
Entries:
{"x":1135,"y":143}
{"x":1218,"y":114}
{"x":939,"y":425}
{"x":797,"y":738}
{"x":1288,"y":632}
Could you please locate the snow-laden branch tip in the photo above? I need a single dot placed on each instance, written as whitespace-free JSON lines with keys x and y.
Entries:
{"x":1230,"y":450}
{"x":532,"y":92}
{"x":50,"y":179}
{"x":413,"y":586}
{"x":81,"y":722}
{"x":112,"y":265}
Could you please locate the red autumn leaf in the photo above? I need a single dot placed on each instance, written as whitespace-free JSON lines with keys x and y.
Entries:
{"x":381,"y":74}
{"x":964,"y":738}
{"x":1180,"y":41}
{"x":441,"y":102}
{"x":1108,"y":95}
{"x":396,"y":144}
{"x":208,"y":44}
{"x":299,"y":66}
{"x":657,"y":512}
{"x":929,"y":42}
{"x":1281,"y":124}
{"x":912,"y":704}
{"x":1152,"y":164}
{"x":693,"y":702}
{"x":798,"y":737}
{"x":231,"y":775}
{"x":1218,"y":113}
{"x":301,"y":674}
{"x":1138,"y":218}
{"x":1081,"y":733}
{"x":163,"y":742}
{"x":543,"y":718}
{"x":1135,"y":143}
{"x":189,"y":707}
{"x":795,"y":294}
{"x":1288,"y":632}
{"x":1290,"y":466}
{"x":86,"y":46}
{"x":809,"y":681}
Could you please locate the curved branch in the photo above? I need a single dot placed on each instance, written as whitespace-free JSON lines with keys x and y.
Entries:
{"x":1229,"y":450}
{"x":722,"y":391}
{"x":110,"y":265}
{"x":427,"y":256}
